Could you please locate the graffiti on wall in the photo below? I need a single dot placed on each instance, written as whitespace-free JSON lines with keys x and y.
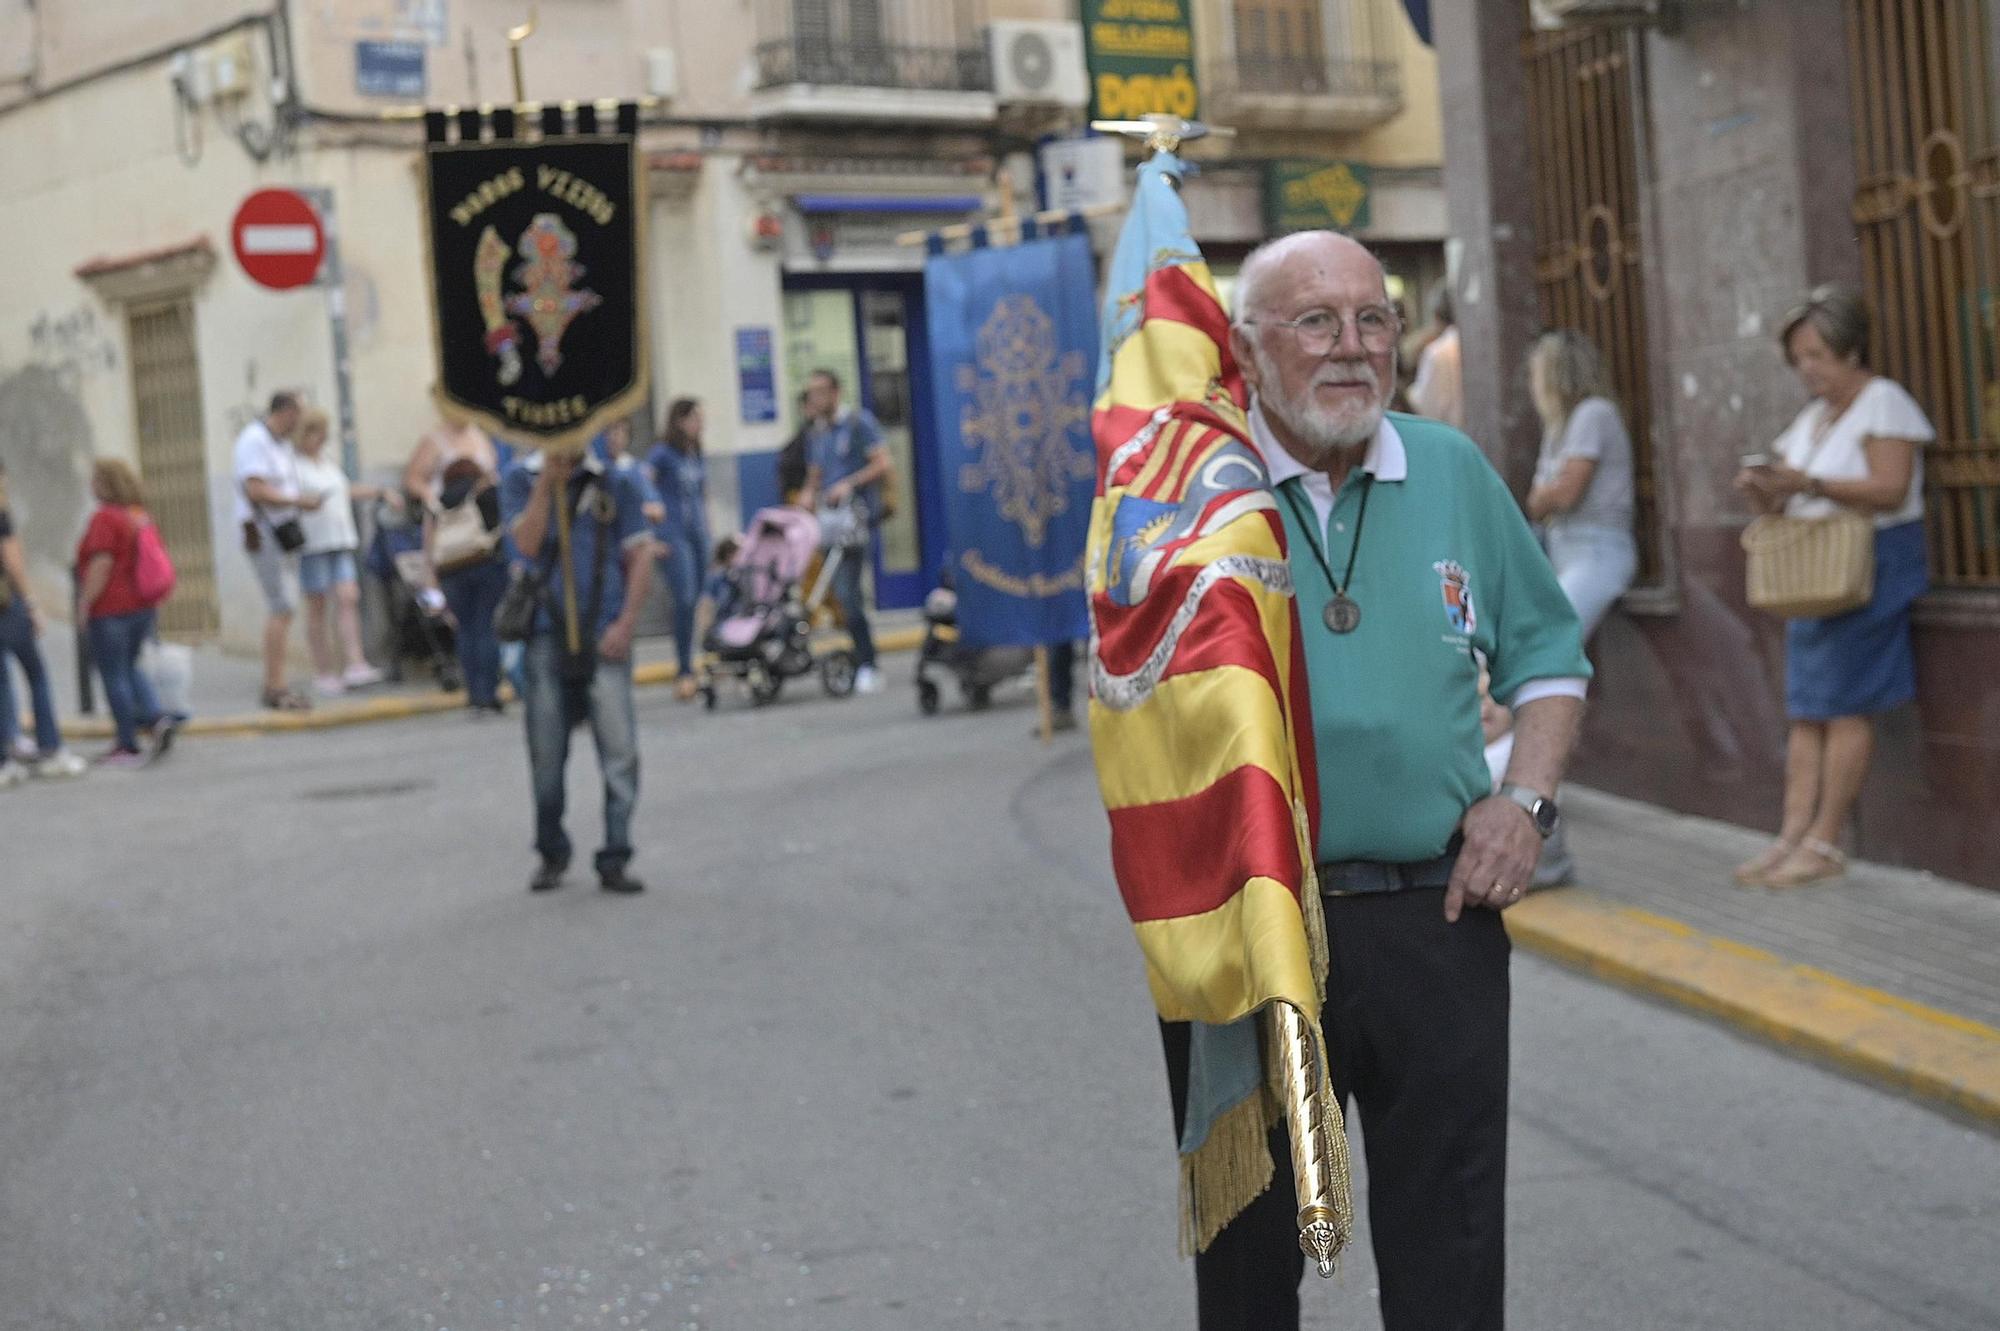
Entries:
{"x":74,"y":343}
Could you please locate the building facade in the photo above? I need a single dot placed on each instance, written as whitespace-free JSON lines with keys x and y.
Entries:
{"x":1671,"y":182}
{"x":788,"y":146}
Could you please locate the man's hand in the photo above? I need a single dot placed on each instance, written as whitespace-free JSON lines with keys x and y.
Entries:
{"x":556,"y":469}
{"x":1497,"y":858}
{"x":35,"y":622}
{"x":616,"y":643}
{"x":311,"y":501}
{"x":838,"y":492}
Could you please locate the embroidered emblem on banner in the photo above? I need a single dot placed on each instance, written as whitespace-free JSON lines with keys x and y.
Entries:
{"x":549,"y":299}
{"x":1024,"y":402}
{"x":1456,"y":585}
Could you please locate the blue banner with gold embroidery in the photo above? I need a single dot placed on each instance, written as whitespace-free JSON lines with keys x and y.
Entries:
{"x":1013,"y":356}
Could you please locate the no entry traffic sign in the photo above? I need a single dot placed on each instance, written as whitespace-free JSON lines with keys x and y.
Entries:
{"x":277,"y":239}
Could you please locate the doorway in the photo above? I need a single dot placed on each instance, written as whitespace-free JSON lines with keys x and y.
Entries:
{"x":869,"y":330}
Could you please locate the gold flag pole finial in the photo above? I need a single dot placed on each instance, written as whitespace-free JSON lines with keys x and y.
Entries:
{"x":1161,"y":131}
{"x":515,"y":36}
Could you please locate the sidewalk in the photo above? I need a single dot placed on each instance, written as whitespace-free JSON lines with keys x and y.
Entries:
{"x":225,"y":687}
{"x":1889,"y":974}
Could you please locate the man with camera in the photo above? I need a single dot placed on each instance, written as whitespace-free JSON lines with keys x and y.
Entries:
{"x":268,"y":504}
{"x":581,"y":578}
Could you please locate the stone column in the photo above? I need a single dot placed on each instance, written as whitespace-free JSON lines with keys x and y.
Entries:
{"x":1489,"y":197}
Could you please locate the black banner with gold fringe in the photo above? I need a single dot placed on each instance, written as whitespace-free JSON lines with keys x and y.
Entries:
{"x":536,"y":226}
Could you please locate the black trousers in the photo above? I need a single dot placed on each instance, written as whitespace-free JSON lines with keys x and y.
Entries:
{"x":1416,"y":1034}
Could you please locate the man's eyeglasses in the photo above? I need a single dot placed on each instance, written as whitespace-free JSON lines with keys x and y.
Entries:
{"x":1319,"y":330}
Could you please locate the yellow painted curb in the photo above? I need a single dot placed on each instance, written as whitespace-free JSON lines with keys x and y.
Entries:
{"x":1948,"y":1060}
{"x":398,"y":707}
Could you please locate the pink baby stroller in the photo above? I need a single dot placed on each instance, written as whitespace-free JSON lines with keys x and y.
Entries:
{"x":763,"y":627}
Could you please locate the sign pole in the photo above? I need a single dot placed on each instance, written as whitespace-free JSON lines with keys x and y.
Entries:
{"x":332,"y":278}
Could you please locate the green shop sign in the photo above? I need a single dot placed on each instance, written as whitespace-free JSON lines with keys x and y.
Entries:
{"x":1141,"y":58}
{"x":1307,"y":196}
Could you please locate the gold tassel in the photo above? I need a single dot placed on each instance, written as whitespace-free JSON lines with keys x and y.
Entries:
{"x":1230,"y":1170}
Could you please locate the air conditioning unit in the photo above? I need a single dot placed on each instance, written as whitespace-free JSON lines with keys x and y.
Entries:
{"x":1550,"y":14}
{"x":1038,"y":63}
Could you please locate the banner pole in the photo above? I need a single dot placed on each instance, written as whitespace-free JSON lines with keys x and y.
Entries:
{"x":574,"y":639}
{"x":1044,"y":703}
{"x":515,"y":36}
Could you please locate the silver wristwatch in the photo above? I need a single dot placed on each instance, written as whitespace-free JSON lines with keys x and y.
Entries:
{"x":1540,"y":808}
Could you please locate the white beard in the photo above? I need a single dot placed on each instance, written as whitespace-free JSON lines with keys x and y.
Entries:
{"x":1319,"y":429}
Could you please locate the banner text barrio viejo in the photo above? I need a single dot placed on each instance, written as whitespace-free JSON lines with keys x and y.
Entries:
{"x":571,"y":189}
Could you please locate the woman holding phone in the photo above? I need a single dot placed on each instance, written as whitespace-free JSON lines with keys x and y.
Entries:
{"x":1857,"y":446}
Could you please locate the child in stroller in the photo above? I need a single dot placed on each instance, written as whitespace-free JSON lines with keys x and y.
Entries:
{"x":763,"y":625}
{"x":419,"y":625}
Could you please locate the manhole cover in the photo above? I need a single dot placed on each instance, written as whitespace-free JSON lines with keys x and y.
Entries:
{"x":370,"y":790}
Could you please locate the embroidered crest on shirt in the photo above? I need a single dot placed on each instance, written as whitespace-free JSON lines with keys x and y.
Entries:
{"x":1456,"y":586}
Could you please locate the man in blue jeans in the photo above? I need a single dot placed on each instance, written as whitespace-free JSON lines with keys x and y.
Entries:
{"x":578,"y":658}
{"x":847,"y":461}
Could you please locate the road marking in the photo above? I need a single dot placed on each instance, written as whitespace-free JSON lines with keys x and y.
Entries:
{"x":1940,"y":1057}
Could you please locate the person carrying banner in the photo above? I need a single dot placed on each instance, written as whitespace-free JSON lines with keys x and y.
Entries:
{"x":578,"y":655}
{"x":847,"y":460}
{"x":1416,"y":860}
{"x":1285,"y":718}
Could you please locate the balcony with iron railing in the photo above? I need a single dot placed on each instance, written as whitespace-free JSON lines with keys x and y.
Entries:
{"x":1305,"y":64}
{"x":880,"y":60}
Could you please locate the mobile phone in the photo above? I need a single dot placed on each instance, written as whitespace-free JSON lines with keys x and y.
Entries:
{"x":1754,"y":460}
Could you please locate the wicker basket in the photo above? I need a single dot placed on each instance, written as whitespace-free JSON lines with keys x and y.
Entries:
{"x":1810,"y":568}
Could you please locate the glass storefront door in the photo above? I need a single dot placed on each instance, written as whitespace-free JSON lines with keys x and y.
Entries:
{"x":869,"y":330}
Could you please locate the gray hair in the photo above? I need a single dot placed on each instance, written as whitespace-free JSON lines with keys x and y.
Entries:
{"x":1838,"y":313}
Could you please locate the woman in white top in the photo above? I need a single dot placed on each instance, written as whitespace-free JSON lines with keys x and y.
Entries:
{"x":1858,"y":447}
{"x":326,"y":563}
{"x":1583,"y":494}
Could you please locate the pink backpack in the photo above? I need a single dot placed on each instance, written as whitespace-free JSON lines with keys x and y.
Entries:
{"x":152,"y":571}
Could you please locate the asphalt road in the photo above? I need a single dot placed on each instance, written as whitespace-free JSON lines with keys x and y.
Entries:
{"x":289,"y":1046}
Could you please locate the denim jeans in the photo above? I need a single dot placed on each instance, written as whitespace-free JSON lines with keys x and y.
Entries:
{"x":553,"y":710}
{"x":1595,"y":566}
{"x":17,"y":639}
{"x":853,"y":604}
{"x":681,"y":569}
{"x":115,"y":641}
{"x":473,"y":595}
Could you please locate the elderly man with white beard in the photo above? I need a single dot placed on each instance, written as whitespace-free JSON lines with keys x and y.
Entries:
{"x":1412,"y":567}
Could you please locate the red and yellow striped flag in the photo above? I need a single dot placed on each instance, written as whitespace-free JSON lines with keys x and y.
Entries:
{"x":1199,"y":713}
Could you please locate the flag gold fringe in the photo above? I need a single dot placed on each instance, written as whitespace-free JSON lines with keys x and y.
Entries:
{"x":1231,"y":1170}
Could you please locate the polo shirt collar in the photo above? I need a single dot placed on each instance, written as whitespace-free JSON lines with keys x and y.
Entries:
{"x":1386,"y":458}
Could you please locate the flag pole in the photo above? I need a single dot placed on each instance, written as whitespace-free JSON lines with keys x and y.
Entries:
{"x":1308,"y":1109}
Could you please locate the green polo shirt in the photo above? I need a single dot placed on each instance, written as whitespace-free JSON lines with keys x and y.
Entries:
{"x":1446,"y":566}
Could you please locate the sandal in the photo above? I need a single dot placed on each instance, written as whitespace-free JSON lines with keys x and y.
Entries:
{"x":285,"y":700}
{"x":1813,"y":862}
{"x":1751,"y":872}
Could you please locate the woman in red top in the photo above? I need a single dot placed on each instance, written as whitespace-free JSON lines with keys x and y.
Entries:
{"x":120,"y":621}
